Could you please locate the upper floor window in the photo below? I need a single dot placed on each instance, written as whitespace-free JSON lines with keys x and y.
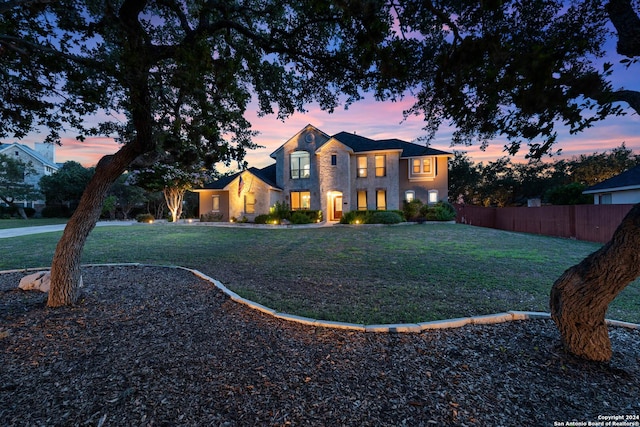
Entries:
{"x":381,"y":165}
{"x":334,"y":159}
{"x":423,"y":167}
{"x":362,"y":166}
{"x":300,"y":164}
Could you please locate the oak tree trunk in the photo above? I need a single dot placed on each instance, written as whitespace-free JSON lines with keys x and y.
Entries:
{"x":580,"y":297}
{"x":65,"y":267}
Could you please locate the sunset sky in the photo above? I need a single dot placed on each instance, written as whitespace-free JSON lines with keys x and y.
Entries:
{"x":376,"y":120}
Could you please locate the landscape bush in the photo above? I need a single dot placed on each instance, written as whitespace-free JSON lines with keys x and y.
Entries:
{"x":280,"y":211}
{"x":385,"y":217}
{"x":211,"y":217}
{"x":146,"y":217}
{"x":8,"y":212}
{"x":299,"y":217}
{"x":411,"y":210}
{"x":262,"y":219}
{"x":441,"y":211}
{"x":355,"y":217}
{"x":56,"y":212}
{"x":371,"y":217}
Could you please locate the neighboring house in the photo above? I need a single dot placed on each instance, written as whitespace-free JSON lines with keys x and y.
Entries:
{"x":41,"y":158}
{"x":334,"y":174}
{"x":618,"y":190}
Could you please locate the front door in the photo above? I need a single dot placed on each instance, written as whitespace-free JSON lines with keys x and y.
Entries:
{"x":337,"y":208}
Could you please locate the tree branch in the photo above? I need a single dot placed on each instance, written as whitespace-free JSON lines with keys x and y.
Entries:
{"x":627,"y":23}
{"x":631,"y":97}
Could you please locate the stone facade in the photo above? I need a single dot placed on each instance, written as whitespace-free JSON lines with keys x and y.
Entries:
{"x":334,"y":174}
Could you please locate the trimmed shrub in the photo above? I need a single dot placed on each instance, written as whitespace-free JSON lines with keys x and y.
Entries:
{"x":411,"y":210}
{"x":147,"y":217}
{"x":441,"y":211}
{"x":262,"y":219}
{"x":312,"y":216}
{"x":300,"y":217}
{"x":355,"y":217}
{"x":280,"y":211}
{"x":385,"y":217}
{"x":211,"y":217}
{"x":56,"y":212}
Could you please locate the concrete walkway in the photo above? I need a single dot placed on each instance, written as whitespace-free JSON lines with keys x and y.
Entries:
{"x":25,"y":231}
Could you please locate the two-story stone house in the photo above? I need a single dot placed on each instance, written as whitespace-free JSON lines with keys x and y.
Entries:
{"x":334,"y":174}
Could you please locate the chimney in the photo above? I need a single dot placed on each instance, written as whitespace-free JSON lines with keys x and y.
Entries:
{"x":47,"y":150}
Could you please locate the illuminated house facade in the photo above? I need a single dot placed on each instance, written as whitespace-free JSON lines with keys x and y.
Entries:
{"x":334,"y":174}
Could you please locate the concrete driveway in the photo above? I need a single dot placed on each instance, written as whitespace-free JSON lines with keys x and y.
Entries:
{"x":24,"y":231}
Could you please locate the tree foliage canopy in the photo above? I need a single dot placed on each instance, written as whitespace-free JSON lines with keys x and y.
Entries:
{"x":505,"y":183}
{"x":517,"y":68}
{"x":12,"y":180}
{"x":67,"y":184}
{"x":180,"y":73}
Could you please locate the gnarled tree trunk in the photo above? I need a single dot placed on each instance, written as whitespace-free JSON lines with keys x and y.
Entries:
{"x":65,"y":267}
{"x":580,"y":297}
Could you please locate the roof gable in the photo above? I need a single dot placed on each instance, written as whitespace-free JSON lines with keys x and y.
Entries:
{"x":266,"y":175}
{"x":628,"y":179}
{"x":318,"y":138}
{"x":30,"y":152}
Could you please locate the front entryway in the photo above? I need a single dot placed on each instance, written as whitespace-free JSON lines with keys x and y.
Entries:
{"x":337,"y":208}
{"x":334,"y":207}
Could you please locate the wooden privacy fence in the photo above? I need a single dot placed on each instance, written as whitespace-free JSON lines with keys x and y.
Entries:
{"x":594,"y":223}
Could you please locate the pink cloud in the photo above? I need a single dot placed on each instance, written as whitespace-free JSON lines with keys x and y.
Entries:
{"x":87,"y":152}
{"x":377,"y":120}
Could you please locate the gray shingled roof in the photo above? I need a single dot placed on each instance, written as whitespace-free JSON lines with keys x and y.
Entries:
{"x":627,"y":179}
{"x":361,"y":144}
{"x":267,"y":174}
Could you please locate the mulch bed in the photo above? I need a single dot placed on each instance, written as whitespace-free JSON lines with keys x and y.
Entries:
{"x":149,"y":346}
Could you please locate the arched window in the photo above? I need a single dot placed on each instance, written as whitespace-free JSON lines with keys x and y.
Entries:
{"x":300,"y":165}
{"x":409,"y":196}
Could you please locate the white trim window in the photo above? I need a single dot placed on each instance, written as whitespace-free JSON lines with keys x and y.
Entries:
{"x":423,"y":167}
{"x":433,"y":196}
{"x":362,"y":166}
{"x":409,"y":196}
{"x":381,"y":165}
{"x":381,"y":199}
{"x":250,"y":203}
{"x":300,"y":200}
{"x":362,"y":200}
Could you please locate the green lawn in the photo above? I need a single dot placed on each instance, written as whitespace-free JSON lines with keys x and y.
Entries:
{"x":367,"y":274}
{"x":34,"y":222}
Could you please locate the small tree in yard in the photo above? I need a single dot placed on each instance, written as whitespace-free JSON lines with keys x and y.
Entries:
{"x":127,"y":196}
{"x":12,"y":182}
{"x":172,"y":181}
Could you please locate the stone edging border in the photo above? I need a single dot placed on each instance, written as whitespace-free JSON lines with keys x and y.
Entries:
{"x":383,"y":328}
